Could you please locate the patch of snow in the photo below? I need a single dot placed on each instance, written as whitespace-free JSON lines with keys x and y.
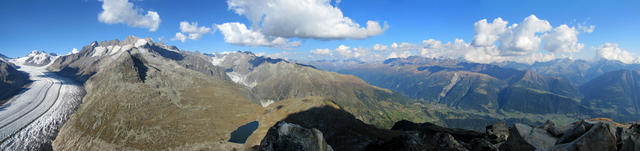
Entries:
{"x":99,"y":51}
{"x":140,"y":42}
{"x":126,"y":47}
{"x":217,"y":60}
{"x":114,"y":49}
{"x":265,"y":103}
{"x":241,"y":79}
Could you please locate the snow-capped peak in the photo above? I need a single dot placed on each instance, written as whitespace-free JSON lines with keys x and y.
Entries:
{"x":36,"y":58}
{"x":140,"y":42}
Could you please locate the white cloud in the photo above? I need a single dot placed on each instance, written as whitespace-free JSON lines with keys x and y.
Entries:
{"x":533,"y":58}
{"x":380,"y":47}
{"x":487,"y":33}
{"x":563,"y":39}
{"x":403,"y":54}
{"x":321,"y":52}
{"x":179,"y":36}
{"x":316,"y":19}
{"x":611,"y":51}
{"x":347,"y":52}
{"x":193,"y":30}
{"x":523,"y":39}
{"x":239,"y":34}
{"x":122,"y":11}
{"x":587,"y":29}
{"x":404,"y":46}
{"x":344,"y":51}
{"x":516,"y":42}
{"x":73,"y":51}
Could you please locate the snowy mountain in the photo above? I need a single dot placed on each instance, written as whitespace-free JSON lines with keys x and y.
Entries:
{"x":36,"y":58}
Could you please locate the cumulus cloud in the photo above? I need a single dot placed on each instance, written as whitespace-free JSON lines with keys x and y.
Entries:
{"x":403,"y":54}
{"x":347,"y":52}
{"x":193,"y":30}
{"x":316,"y":19}
{"x":487,"y":33}
{"x":122,"y":11}
{"x":524,"y":38}
{"x":563,"y":39}
{"x":239,"y":34}
{"x":611,"y":51}
{"x":180,"y":36}
{"x":380,"y":47}
{"x":73,"y":51}
{"x":587,"y":29}
{"x":515,"y":42}
{"x":321,"y":52}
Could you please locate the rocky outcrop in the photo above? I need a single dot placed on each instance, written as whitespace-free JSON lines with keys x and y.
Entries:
{"x":585,"y":135}
{"x":524,"y":137}
{"x":11,"y":80}
{"x":291,"y":137}
{"x":497,"y":132}
{"x":629,"y":139}
{"x":428,"y":136}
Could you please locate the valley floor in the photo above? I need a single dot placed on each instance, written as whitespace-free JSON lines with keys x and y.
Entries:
{"x":31,"y":119}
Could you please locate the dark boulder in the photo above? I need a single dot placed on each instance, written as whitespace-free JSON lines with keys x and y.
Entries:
{"x":497,"y":132}
{"x":630,"y":138}
{"x":599,"y":137}
{"x":527,"y":138}
{"x":550,"y":127}
{"x":291,"y":137}
{"x":576,"y":130}
{"x":445,"y":141}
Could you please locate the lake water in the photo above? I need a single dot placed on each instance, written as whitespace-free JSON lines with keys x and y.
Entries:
{"x":243,"y":132}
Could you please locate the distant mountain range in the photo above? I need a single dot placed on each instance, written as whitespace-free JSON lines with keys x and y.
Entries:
{"x":558,"y":89}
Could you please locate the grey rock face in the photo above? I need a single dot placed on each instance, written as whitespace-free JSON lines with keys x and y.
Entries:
{"x":630,"y":138}
{"x":11,"y":80}
{"x":598,"y":138}
{"x":551,"y":128}
{"x":497,"y":132}
{"x":524,"y":137}
{"x":291,"y":137}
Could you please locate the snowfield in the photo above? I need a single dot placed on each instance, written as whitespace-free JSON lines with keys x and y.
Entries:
{"x":31,"y":119}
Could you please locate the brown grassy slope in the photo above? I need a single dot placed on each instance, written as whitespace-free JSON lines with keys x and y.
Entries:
{"x":169,"y":107}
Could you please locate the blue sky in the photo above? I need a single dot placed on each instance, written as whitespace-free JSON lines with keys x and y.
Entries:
{"x":59,"y":26}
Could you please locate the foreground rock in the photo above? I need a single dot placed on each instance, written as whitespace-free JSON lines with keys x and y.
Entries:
{"x":291,"y":137}
{"x":524,"y":137}
{"x":585,"y":135}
